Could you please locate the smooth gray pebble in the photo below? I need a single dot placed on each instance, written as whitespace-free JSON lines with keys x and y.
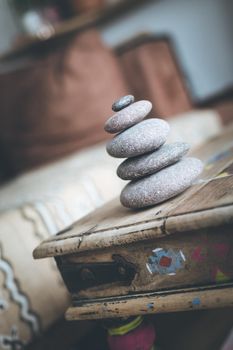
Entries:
{"x":123,"y":102}
{"x":162,"y":185}
{"x":149,"y":163}
{"x":141,"y":138}
{"x":128,"y":116}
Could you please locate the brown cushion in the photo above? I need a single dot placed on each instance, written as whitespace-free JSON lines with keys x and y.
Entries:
{"x":59,"y":103}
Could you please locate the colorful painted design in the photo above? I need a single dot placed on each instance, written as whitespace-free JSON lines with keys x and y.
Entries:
{"x":165,"y":262}
{"x":222,"y":174}
{"x":220,"y":277}
{"x":221,"y":249}
{"x":219,"y":156}
{"x":196,"y":302}
{"x":150,"y":306}
{"x":198,"y":255}
{"x":226,"y":172}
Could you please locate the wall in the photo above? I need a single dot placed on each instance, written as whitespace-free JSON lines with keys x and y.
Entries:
{"x":8,"y":26}
{"x":202,"y":31}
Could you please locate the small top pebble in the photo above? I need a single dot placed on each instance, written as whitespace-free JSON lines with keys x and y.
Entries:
{"x":122,"y":102}
{"x":127,"y":117}
{"x":141,"y":138}
{"x":149,"y":163}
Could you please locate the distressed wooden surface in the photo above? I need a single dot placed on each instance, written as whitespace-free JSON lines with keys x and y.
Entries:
{"x":209,"y":199}
{"x":208,"y":258}
{"x":181,"y":251}
{"x":148,"y":304}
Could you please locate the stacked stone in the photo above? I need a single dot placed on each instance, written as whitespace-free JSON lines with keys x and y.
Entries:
{"x":157,"y":171}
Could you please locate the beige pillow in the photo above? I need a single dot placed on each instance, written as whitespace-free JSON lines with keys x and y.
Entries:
{"x":33,"y":207}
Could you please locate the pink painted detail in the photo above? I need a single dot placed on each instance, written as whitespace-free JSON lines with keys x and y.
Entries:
{"x":197,"y":255}
{"x":214,"y":273}
{"x":221,"y":249}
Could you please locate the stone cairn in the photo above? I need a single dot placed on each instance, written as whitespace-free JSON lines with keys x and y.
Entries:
{"x":157,"y":171}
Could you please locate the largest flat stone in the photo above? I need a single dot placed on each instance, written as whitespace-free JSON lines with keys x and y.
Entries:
{"x":161,"y":186}
{"x":139,"y":139}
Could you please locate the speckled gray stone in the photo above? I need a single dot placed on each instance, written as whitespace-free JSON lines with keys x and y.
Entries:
{"x":139,"y":139}
{"x":122,"y":102}
{"x":127,"y":117}
{"x":137,"y":167}
{"x":162,"y":185}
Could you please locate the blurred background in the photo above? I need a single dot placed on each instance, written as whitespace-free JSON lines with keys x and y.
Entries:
{"x":201,"y":31}
{"x":176,"y":53}
{"x":62,"y":65}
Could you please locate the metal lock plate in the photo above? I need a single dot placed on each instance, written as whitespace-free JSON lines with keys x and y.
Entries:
{"x":78,"y":276}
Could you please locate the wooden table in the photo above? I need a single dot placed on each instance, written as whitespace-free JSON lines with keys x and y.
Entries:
{"x":175,"y":256}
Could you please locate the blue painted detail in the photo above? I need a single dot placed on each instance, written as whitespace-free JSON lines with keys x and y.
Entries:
{"x":218,"y":156}
{"x":196,"y":301}
{"x":165,"y":262}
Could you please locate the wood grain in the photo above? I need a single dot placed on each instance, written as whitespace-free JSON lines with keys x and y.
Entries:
{"x":113,"y":224}
{"x":181,"y":250}
{"x":148,"y":304}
